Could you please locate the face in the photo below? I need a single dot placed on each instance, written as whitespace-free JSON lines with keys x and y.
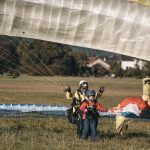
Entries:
{"x":83,"y":89}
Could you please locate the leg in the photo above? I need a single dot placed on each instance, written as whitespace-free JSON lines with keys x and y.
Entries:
{"x":96,"y":123}
{"x":93,"y":125}
{"x":122,"y":123}
{"x":79,"y":124}
{"x":85,"y":128}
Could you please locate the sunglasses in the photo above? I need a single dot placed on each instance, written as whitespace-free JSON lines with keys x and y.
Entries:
{"x":83,"y":87}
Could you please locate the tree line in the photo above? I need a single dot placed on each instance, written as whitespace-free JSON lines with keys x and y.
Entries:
{"x":41,"y":58}
{"x":36,"y":57}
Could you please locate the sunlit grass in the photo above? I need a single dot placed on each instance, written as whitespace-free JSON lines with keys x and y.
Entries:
{"x":40,"y":90}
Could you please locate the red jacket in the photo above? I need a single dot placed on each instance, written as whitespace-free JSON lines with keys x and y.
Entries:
{"x":84,"y":107}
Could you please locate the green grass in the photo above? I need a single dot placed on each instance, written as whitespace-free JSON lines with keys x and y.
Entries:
{"x":56,"y":133}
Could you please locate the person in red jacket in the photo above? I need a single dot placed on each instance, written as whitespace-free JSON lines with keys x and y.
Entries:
{"x":89,"y":109}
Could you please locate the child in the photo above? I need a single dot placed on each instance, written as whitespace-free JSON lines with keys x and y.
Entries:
{"x":89,"y":110}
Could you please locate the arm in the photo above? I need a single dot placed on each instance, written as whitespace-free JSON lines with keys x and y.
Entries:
{"x":115,"y":109}
{"x":98,"y":95}
{"x":68,"y":92}
{"x":100,"y":92}
{"x":83,"y":107}
{"x":101,"y":108}
{"x":69,"y":95}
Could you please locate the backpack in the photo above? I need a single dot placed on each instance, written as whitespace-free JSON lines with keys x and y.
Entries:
{"x":71,"y":116}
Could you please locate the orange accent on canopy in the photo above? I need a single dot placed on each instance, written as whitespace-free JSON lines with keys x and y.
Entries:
{"x":134,"y":100}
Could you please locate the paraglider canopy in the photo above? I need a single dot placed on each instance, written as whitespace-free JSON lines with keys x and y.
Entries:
{"x":117,"y":26}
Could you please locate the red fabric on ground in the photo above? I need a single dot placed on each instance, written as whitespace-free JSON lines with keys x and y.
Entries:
{"x":134,"y":100}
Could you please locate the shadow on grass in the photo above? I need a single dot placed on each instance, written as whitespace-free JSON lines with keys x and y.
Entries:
{"x":18,"y":128}
{"x":106,"y":135}
{"x":110,"y":135}
{"x":138,"y":134}
{"x":15,"y":128}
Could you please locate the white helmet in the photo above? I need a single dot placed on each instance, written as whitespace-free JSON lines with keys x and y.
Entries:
{"x":83,"y":83}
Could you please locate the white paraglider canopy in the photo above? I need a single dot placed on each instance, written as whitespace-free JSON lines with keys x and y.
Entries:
{"x":118,"y":26}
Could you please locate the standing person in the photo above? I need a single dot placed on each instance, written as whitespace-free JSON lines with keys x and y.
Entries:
{"x":146,"y":90}
{"x":89,"y":109}
{"x":79,"y":95}
{"x":73,"y":114}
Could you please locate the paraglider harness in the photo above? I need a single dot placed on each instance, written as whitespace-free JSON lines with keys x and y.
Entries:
{"x":92,"y":112}
{"x":74,"y":115}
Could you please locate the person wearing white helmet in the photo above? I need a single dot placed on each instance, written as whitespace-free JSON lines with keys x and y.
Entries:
{"x":79,"y":95}
{"x":77,"y":99}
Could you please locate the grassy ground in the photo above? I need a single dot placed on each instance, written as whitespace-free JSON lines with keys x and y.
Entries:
{"x":56,"y":133}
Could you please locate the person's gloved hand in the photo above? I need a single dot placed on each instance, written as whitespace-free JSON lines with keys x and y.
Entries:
{"x":84,"y":110}
{"x":67,"y":88}
{"x":90,"y":109}
{"x":101,"y":89}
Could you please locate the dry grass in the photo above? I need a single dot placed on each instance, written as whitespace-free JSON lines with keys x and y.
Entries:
{"x":56,"y":133}
{"x":39,"y":90}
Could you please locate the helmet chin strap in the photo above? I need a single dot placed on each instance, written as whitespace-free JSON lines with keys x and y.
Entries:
{"x":83,"y":91}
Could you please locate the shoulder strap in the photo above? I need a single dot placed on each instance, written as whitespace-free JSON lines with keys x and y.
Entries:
{"x":78,"y":95}
{"x":85,"y":101}
{"x":95,"y":103}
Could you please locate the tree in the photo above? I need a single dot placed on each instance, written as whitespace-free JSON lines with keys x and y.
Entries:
{"x":36,"y":57}
{"x":116,"y":69}
{"x":146,"y":69}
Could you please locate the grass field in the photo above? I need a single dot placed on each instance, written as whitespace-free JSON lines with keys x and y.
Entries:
{"x":56,"y":133}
